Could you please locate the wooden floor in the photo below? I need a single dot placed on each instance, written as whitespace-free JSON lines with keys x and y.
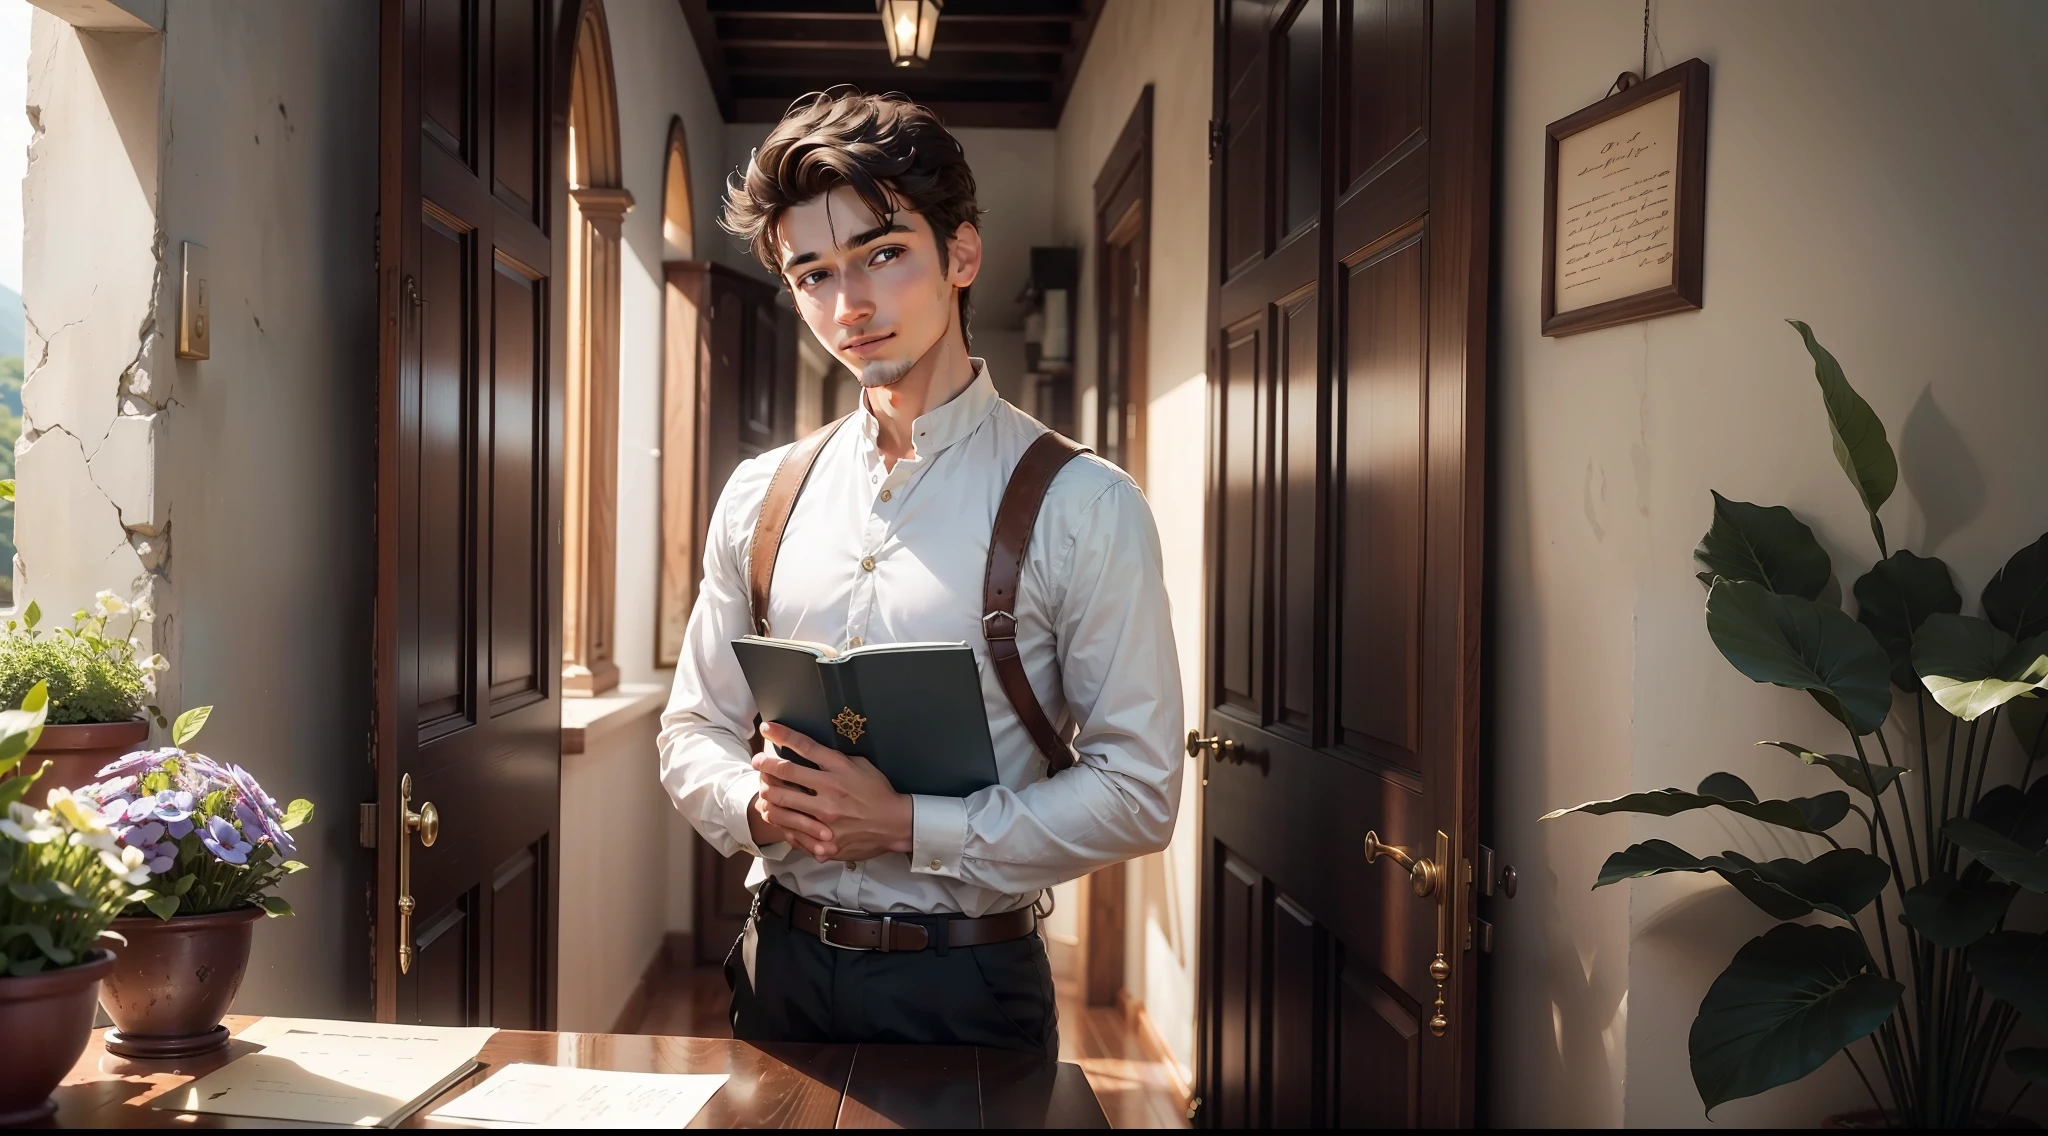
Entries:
{"x":1134,"y":1084}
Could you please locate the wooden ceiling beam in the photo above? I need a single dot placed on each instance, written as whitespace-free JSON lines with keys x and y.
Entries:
{"x":877,"y":43}
{"x":956,"y":113}
{"x":704,"y":30}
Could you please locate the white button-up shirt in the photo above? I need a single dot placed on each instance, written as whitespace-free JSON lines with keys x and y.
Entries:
{"x":883,"y":555}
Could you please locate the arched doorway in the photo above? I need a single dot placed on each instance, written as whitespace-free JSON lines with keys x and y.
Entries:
{"x":597,"y":205}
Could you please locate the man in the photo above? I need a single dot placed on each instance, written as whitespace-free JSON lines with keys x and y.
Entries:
{"x":865,"y":207}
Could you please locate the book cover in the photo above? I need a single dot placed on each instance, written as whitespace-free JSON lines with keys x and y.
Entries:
{"x":914,"y":709}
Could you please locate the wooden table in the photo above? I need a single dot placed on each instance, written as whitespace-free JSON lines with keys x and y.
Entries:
{"x":772,"y":1085}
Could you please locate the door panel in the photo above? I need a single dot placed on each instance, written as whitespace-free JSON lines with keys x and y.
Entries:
{"x":468,"y":491}
{"x":1347,"y":513}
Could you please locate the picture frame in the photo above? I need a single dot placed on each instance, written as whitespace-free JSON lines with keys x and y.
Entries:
{"x":1624,"y":237}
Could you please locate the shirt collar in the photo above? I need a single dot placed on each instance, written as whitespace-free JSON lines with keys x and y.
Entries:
{"x":941,"y":426}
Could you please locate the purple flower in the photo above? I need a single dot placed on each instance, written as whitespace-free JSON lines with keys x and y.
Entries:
{"x":170,"y":805}
{"x":159,"y":858}
{"x":223,"y":841}
{"x":141,"y":761}
{"x":141,"y":835}
{"x":251,"y":818}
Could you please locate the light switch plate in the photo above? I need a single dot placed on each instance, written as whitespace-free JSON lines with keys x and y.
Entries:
{"x":195,"y":317}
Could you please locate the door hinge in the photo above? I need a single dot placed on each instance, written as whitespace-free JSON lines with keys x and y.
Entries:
{"x":366,"y":824}
{"x":1215,"y":138}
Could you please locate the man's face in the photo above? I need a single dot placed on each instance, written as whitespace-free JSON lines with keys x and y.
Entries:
{"x":871,"y":289}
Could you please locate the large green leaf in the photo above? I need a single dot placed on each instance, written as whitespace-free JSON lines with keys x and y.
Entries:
{"x":1764,"y":545}
{"x":2004,"y":857}
{"x":1848,"y":769}
{"x":2019,"y":816}
{"x":1792,"y":998}
{"x":2016,"y":599}
{"x":1794,"y":642}
{"x":1953,"y":913}
{"x":1895,"y":596}
{"x":2012,"y":966}
{"x":2028,"y":717}
{"x":2030,"y":1064}
{"x":21,"y":729}
{"x":1858,"y":433}
{"x":1840,"y":882}
{"x":1726,"y":791}
{"x":1973,"y":668}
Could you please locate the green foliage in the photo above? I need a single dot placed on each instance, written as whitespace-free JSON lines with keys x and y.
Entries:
{"x":1794,"y":997}
{"x":10,"y":433}
{"x":91,"y":672}
{"x":1953,"y":862}
{"x":63,"y":879}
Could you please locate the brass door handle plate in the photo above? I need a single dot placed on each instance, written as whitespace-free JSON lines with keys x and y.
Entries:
{"x":426,"y":824}
{"x":1425,"y":876}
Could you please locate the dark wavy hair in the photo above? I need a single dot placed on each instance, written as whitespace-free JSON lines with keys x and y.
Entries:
{"x":892,"y":152}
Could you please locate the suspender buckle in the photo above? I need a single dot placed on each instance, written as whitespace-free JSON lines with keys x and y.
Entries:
{"x":1007,"y":629}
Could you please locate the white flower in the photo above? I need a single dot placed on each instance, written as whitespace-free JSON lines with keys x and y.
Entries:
{"x":30,"y":826}
{"x":128,"y":864}
{"x":143,"y":612}
{"x":156,"y":663}
{"x":78,"y":811}
{"x":109,"y":603}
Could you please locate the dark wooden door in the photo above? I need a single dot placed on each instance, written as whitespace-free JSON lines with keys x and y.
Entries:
{"x":1350,"y":192}
{"x":469,"y":506}
{"x":747,"y":344}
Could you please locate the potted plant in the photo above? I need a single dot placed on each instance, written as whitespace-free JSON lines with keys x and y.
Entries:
{"x":216,"y":845}
{"x":99,"y":690}
{"x":1951,"y":818}
{"x":63,"y":880}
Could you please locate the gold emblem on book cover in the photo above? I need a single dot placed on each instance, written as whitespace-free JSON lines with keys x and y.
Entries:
{"x":850,"y":725}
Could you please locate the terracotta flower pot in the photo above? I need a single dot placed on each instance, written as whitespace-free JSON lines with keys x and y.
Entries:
{"x":174,"y":980}
{"x":80,"y":750}
{"x":46,"y":1019}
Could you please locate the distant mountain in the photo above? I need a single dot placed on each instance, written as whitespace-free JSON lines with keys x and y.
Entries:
{"x":11,"y":332}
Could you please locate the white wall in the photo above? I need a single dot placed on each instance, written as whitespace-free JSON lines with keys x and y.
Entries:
{"x":618,"y":832}
{"x":243,"y":129}
{"x":1165,"y":43}
{"x":1873,"y":169}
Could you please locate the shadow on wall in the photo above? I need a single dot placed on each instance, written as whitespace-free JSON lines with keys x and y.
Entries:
{"x":1936,"y":464}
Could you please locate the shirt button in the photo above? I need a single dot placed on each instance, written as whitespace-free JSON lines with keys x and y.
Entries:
{"x":935,"y":865}
{"x":886,"y":494}
{"x":850,"y":865}
{"x":867,"y":563}
{"x":850,"y":645}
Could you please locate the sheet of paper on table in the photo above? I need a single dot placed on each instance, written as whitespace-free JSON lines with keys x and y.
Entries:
{"x":549,"y":1096}
{"x":363,"y":1074}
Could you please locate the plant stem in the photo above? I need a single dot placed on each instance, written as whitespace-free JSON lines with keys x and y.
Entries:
{"x":1898,"y":877}
{"x":1905,"y":814}
{"x":1948,"y":768}
{"x":1963,"y":806}
{"x":2000,"y":1122}
{"x":1990,"y":739}
{"x":1882,"y":1113}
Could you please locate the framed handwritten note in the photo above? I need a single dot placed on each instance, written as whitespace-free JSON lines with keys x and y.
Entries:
{"x":1625,"y":205}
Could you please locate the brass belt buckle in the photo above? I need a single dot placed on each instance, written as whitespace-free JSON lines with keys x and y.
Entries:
{"x":825,"y":928}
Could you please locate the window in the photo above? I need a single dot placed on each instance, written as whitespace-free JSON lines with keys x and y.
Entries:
{"x":597,"y":206}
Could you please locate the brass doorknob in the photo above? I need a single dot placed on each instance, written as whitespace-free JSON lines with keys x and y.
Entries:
{"x":1423,"y":873}
{"x":426,"y":823}
{"x":1216,"y":746}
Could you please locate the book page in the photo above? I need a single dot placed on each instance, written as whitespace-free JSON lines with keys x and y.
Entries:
{"x":549,"y":1096}
{"x":1617,"y":225}
{"x":361,"y":1074}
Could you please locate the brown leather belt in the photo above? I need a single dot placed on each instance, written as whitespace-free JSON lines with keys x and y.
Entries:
{"x":851,"y":930}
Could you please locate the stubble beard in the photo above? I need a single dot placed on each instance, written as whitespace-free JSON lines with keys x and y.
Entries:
{"x":885,"y":372}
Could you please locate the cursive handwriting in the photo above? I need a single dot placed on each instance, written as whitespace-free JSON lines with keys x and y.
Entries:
{"x":1615,"y":218}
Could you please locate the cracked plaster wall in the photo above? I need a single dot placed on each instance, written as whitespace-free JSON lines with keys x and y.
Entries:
{"x":250,"y":129}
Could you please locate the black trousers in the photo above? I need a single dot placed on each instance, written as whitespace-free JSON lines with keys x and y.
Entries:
{"x":788,"y":986}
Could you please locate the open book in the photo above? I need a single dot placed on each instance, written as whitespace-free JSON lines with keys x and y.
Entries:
{"x":914,"y":709}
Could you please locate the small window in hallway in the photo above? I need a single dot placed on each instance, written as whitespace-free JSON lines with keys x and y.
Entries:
{"x":597,"y":207}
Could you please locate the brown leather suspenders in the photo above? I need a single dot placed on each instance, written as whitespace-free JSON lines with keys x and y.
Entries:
{"x":1015,"y":518}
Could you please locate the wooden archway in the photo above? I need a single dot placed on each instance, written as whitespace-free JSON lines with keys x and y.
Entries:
{"x":678,"y":215}
{"x":597,"y":206}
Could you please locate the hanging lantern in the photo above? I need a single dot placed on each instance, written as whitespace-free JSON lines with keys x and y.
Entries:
{"x":910,"y":26}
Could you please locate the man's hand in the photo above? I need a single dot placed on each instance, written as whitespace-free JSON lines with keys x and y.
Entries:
{"x":843,"y":810}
